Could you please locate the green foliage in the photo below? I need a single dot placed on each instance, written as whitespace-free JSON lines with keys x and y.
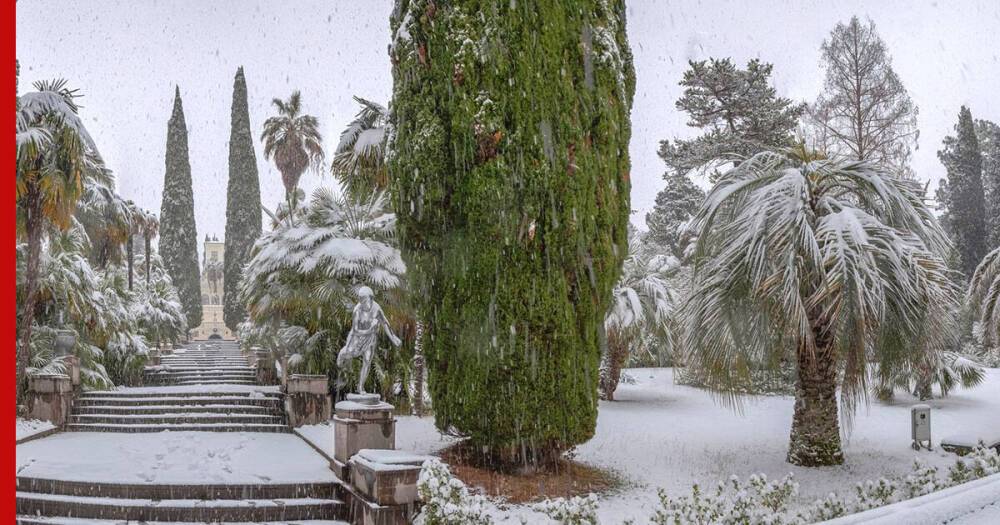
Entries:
{"x":739,"y":111}
{"x":300,"y":283}
{"x":966,"y":205}
{"x":359,"y":161}
{"x":178,"y":233}
{"x":988,"y":134}
{"x":243,"y":213}
{"x":508,"y":155}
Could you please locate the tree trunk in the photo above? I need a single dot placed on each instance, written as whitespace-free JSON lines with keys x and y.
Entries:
{"x":418,"y":371}
{"x":33,"y":225}
{"x":149,"y":247}
{"x":612,"y":363}
{"x":815,"y":439}
{"x":131,"y":261}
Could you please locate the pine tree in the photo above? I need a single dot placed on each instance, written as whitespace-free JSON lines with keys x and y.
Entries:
{"x":966,"y":204}
{"x":243,"y":215}
{"x":178,"y":234}
{"x":738,"y":109}
{"x":988,"y":134}
{"x":675,"y":205}
{"x":508,"y":153}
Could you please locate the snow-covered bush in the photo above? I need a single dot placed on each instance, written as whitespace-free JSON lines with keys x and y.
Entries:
{"x":446,"y":500}
{"x":578,"y":510}
{"x":756,"y":502}
{"x":762,"y":502}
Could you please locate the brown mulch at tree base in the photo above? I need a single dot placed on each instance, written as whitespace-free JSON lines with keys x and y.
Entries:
{"x":565,"y":478}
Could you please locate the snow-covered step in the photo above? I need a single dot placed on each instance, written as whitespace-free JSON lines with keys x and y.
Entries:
{"x":139,"y":393}
{"x":160,"y":491}
{"x":179,"y":408}
{"x":176,"y":418}
{"x":191,"y":400}
{"x":194,"y":510}
{"x":179,"y":427}
{"x":45,"y":520}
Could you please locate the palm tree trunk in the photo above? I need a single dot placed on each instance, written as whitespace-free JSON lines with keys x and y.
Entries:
{"x":612,"y":363}
{"x":815,"y":439}
{"x":148,"y":248}
{"x":131,"y":261}
{"x":33,"y":225}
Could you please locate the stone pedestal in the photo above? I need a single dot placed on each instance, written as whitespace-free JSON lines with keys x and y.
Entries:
{"x":362,"y":421}
{"x":153,"y":359}
{"x":307,"y":400}
{"x":266,"y":374}
{"x":50,"y":398}
{"x":72,"y":363}
{"x":386,"y":477}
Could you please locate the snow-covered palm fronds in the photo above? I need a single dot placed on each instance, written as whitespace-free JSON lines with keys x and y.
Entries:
{"x":340,"y":246}
{"x":642,"y":298}
{"x":359,"y":161}
{"x":984,"y":296}
{"x":640,"y":309}
{"x":798,"y":255}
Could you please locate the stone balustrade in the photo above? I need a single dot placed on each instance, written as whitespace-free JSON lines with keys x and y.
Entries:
{"x":307,"y":399}
{"x":50,"y":397}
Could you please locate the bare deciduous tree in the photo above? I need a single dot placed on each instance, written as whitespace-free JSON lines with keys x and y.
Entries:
{"x":864,"y":111}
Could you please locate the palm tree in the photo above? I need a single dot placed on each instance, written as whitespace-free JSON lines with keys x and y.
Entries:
{"x":835,"y":262}
{"x":293,"y":139}
{"x":55,"y":158}
{"x":984,"y":296}
{"x":359,"y":161}
{"x":641,"y":307}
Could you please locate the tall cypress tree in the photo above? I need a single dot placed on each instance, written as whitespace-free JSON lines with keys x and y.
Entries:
{"x":511,"y":174}
{"x":243,"y":216}
{"x":178,"y":234}
{"x":966,"y":204}
{"x":988,"y":134}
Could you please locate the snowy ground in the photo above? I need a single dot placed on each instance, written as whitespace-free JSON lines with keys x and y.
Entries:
{"x":662,"y":435}
{"x":26,"y":428}
{"x":173,"y":458}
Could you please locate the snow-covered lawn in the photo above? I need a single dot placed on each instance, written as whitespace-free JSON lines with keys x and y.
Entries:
{"x":26,"y":428}
{"x":173,"y":458}
{"x":661,"y":435}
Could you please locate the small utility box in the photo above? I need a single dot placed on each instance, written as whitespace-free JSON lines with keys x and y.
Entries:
{"x":920,"y":426}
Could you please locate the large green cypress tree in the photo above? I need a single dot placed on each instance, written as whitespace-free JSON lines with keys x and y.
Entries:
{"x":509,"y":156}
{"x":988,"y":134}
{"x":966,"y":204}
{"x":178,"y":234}
{"x":243,"y":216}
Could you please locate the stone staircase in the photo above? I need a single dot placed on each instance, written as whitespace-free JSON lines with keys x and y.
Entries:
{"x":206,"y":403}
{"x":203,"y":363}
{"x":206,"y":387}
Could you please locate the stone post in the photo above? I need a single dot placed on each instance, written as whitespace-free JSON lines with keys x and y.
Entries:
{"x":50,"y":397}
{"x":266,"y":374}
{"x":72,"y":363}
{"x":153,"y":359}
{"x":307,"y":400}
{"x":362,"y":421}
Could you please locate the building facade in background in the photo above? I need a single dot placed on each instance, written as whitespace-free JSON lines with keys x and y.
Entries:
{"x":212,"y":324}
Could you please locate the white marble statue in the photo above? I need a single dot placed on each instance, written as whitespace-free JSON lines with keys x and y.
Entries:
{"x":363,"y":338}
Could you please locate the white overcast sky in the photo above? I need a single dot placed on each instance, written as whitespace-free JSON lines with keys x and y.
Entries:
{"x":126,"y":56}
